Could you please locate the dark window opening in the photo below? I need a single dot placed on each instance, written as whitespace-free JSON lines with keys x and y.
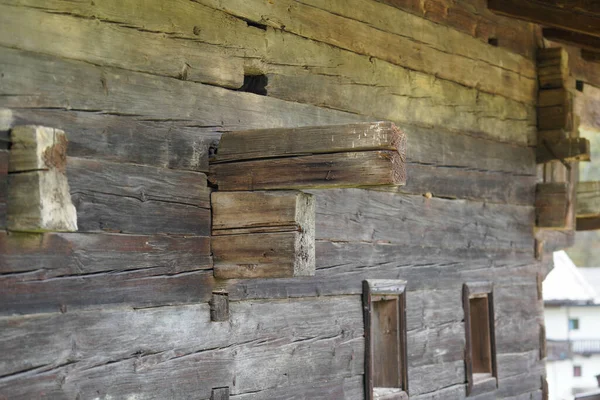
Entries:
{"x":579,"y":85}
{"x":386,"y":374}
{"x":480,"y":352}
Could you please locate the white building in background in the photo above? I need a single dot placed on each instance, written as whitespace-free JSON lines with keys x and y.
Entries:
{"x":572,"y":316}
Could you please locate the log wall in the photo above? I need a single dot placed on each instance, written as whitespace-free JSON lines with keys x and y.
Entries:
{"x":120,"y":309}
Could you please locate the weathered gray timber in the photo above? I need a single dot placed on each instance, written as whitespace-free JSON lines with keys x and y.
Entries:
{"x":113,"y":197}
{"x":46,"y":256}
{"x":127,"y":139}
{"x":552,"y":202}
{"x":130,"y":307}
{"x":566,"y":150}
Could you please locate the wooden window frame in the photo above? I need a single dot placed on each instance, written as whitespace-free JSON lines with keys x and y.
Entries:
{"x":471,"y":291}
{"x":375,"y":290}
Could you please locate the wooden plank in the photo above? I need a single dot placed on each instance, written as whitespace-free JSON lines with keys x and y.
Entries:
{"x":39,"y":201}
{"x":381,"y":37}
{"x":35,"y":256}
{"x":331,"y":344}
{"x":587,"y":224}
{"x":140,"y":288}
{"x":336,"y":170}
{"x":580,"y":40}
{"x":588,"y":199}
{"x":270,"y":143}
{"x":39,"y":81}
{"x":144,"y":183}
{"x":114,"y":197}
{"x":552,"y":204}
{"x":264,"y":255}
{"x":127,"y":139}
{"x":591,"y":56}
{"x":578,"y":16}
{"x":118,"y":46}
{"x":415,"y":220}
{"x":567,"y":150}
{"x":261,"y":212}
{"x":473,"y":17}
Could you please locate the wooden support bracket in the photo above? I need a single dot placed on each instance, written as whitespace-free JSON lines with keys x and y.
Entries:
{"x":355,"y":155}
{"x":38,"y":191}
{"x":566,"y":150}
{"x":267,"y":234}
{"x":3,"y":187}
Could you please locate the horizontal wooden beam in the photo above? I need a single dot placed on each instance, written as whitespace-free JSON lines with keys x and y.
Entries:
{"x":590,"y":55}
{"x":552,"y":201}
{"x":263,"y":234}
{"x":579,"y":16}
{"x":568,"y":150}
{"x":576,"y":39}
{"x":588,"y":224}
{"x":355,"y":155}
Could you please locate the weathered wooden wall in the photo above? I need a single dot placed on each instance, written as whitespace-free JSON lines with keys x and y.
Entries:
{"x":120,"y":309}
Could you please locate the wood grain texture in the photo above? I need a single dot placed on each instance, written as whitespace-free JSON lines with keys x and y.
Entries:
{"x":264,"y":255}
{"x":134,"y":289}
{"x":580,"y":40}
{"x":127,"y":139}
{"x":551,"y":205}
{"x":336,"y":170}
{"x":118,"y":46}
{"x":553,"y":67}
{"x":341,"y":24}
{"x":37,"y":148}
{"x":270,"y":143}
{"x":473,"y":18}
{"x":219,"y":307}
{"x":262,"y":211}
{"x":577,"y":16}
{"x":307,"y":333}
{"x":50,"y":255}
{"x":39,"y":81}
{"x":115,"y":197}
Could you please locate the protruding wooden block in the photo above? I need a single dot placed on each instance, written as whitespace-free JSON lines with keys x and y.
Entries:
{"x":567,"y":150}
{"x":39,"y":201}
{"x":553,"y":67}
{"x":365,"y":154}
{"x":263,"y":234}
{"x":38,"y":192}
{"x":3,"y":186}
{"x":37,"y":148}
{"x":552,"y":202}
{"x":219,"y":307}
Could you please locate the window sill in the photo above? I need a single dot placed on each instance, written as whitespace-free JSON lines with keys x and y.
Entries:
{"x":382,"y":393}
{"x":483,"y":383}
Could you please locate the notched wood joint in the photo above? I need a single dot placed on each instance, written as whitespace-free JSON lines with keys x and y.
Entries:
{"x":220,"y":393}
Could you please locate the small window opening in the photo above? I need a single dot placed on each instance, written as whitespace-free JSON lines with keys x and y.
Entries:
{"x":493,"y":41}
{"x":576,"y":370}
{"x":386,"y":374}
{"x":573,"y":324}
{"x":480,"y":361}
{"x":579,"y":85}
